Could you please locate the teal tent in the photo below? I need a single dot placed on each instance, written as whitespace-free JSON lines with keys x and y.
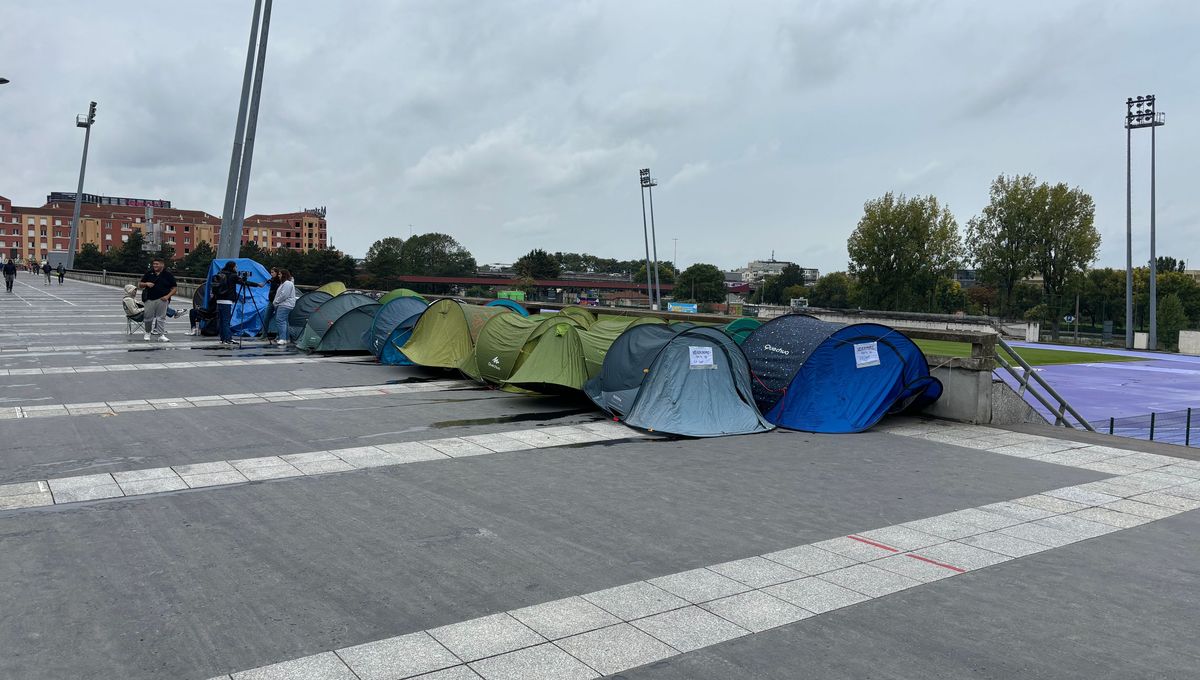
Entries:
{"x":346,"y":333}
{"x":389,"y":316}
{"x":320,"y":320}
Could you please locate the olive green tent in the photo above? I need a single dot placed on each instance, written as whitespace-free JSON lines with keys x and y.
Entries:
{"x":346,"y":333}
{"x":334,"y":288}
{"x":320,"y":320}
{"x":445,"y":334}
{"x":740,"y":329}
{"x":398,"y":293}
{"x":584,"y":317}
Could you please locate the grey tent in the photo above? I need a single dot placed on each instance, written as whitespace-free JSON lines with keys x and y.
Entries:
{"x":305,"y":306}
{"x":390,"y":315}
{"x":678,"y":379}
{"x":320,"y":320}
{"x":347,"y":331}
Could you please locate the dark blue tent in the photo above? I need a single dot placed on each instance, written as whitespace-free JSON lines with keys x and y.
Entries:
{"x":818,"y":376}
{"x":391,"y":355}
{"x":250,"y":311}
{"x":387,"y":318}
{"x":678,"y":379}
{"x":505,"y":302}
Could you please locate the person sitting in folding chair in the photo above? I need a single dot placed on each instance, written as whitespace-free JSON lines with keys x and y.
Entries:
{"x":134,"y":315}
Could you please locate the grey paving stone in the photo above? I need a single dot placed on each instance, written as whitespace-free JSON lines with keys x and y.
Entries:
{"x":1145,"y":461}
{"x":563,"y":618}
{"x":366,"y":456}
{"x":757,"y":572}
{"x":30,"y":500}
{"x":1025,"y":513}
{"x":1058,"y":506}
{"x":988,"y":521}
{"x":616,"y":648}
{"x":635,"y":600}
{"x":1122,"y":520}
{"x":809,"y":560}
{"x":1141,"y":509}
{"x":543,"y":662}
{"x":322,"y":467}
{"x":1076,"y":526}
{"x":1164,"y":499}
{"x":1108,"y":467}
{"x":324,"y":666}
{"x":23,"y":488}
{"x":1047,"y":536}
{"x":918,"y":570}
{"x":497,"y":442}
{"x":486,"y":636}
{"x":1073,"y":457}
{"x":214,"y":479}
{"x":47,"y":412}
{"x":535,"y":438}
{"x":398,"y":657}
{"x":271,"y":472}
{"x":1004,"y":544}
{"x":243,"y":464}
{"x":411,"y":452}
{"x":1182,"y":471}
{"x":1186,"y":491}
{"x":816,"y":595}
{"x":853,"y":549}
{"x":456,"y":447}
{"x":144,"y":474}
{"x":689,"y":628}
{"x":203,"y":468}
{"x":963,"y":556}
{"x":756,"y":611}
{"x":455,"y":673}
{"x":699,"y":585}
{"x":156,"y":485}
{"x":1078,"y":495}
{"x":869,"y":580}
{"x":84,"y":488}
{"x":902,"y":537}
{"x":945,"y":527}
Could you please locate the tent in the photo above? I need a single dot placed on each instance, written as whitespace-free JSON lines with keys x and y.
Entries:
{"x":740,"y":329}
{"x":445,"y":333}
{"x":818,"y":376}
{"x":399,"y":293}
{"x":321,"y":320}
{"x":390,"y":354}
{"x":305,"y":306}
{"x":511,"y":304}
{"x":585,"y":317}
{"x":334,"y":288}
{"x":346,"y":333}
{"x":389,"y":316}
{"x":678,"y":379}
{"x":250,"y":311}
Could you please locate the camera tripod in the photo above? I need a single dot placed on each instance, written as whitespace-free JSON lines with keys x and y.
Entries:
{"x":243,"y":284}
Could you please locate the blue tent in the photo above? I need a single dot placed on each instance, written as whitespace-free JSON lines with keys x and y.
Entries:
{"x":250,"y":311}
{"x":818,"y":376}
{"x":391,"y":355}
{"x":387,"y":318}
{"x":505,"y":302}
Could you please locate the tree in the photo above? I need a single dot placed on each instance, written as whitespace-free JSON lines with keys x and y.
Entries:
{"x":537,"y":264}
{"x":383,"y":263}
{"x":901,"y":248}
{"x":983,"y":298}
{"x":1000,"y":240}
{"x":436,"y":255}
{"x":195,"y":264}
{"x":701,"y":283}
{"x":666,"y":273}
{"x":129,"y":258}
{"x":1170,"y":264}
{"x":89,"y":258}
{"x":835,"y":291}
{"x":1066,"y":241}
{"x":1171,"y":320}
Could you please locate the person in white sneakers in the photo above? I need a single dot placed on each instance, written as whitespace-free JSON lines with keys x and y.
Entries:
{"x":158,"y":287}
{"x":284,"y":301}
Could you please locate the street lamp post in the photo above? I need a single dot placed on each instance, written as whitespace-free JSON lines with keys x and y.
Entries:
{"x":650,"y":183}
{"x":644,"y":176}
{"x":85,"y":122}
{"x":1140,"y":113}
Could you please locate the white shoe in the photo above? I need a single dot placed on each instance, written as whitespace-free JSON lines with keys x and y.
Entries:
{"x":281,"y":342}
{"x":164,"y":338}
{"x":145,"y":336}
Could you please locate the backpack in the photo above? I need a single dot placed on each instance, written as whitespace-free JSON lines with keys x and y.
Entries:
{"x":223,"y":286}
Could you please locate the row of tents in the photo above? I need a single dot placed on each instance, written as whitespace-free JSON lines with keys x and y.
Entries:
{"x":794,"y":371}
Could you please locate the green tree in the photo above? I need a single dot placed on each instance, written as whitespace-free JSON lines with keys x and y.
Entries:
{"x":1000,"y":240}
{"x":1171,"y":320}
{"x":537,"y":264}
{"x":382,"y":266}
{"x":1103,"y":296}
{"x":1170,"y":264}
{"x":89,"y":258}
{"x":983,"y":299}
{"x":195,"y":264}
{"x":834,"y":291}
{"x":949,"y":296}
{"x":901,"y":248}
{"x":666,"y":273}
{"x":1066,"y":242}
{"x":701,"y":283}
{"x":129,"y":258}
{"x":436,"y":255}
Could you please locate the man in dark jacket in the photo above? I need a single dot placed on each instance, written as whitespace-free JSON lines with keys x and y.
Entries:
{"x":224,"y":289}
{"x":10,"y":273}
{"x":62,"y":271}
{"x":46,"y":269}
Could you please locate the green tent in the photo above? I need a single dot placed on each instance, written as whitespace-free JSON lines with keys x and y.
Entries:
{"x":740,"y":329}
{"x":399,"y":293}
{"x":445,"y":334}
{"x":334,"y":288}
{"x":329,"y":312}
{"x":347,"y":331}
{"x":585,"y":317}
{"x":603,"y":333}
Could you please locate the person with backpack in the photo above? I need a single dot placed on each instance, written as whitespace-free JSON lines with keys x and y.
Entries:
{"x":10,"y":274}
{"x":224,"y":289}
{"x":46,"y":269}
{"x":62,"y":271}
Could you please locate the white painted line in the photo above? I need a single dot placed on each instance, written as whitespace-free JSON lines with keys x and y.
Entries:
{"x":47,"y":293}
{"x":215,"y":363}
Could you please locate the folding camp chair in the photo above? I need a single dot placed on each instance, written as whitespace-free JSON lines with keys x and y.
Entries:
{"x":133,"y":323}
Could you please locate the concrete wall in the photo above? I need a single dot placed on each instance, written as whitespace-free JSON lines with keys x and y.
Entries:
{"x":186,"y":290}
{"x":973,"y":396}
{"x":1189,"y":342}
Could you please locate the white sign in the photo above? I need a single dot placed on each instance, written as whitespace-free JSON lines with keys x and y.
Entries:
{"x":700,"y":357}
{"x":866,"y":354}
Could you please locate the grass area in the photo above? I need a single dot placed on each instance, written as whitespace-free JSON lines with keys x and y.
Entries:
{"x":1036,"y":357}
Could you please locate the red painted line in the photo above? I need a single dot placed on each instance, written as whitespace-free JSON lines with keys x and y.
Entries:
{"x":860,"y":539}
{"x":951,"y":567}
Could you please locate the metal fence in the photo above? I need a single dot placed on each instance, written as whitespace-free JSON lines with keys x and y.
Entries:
{"x":1169,"y":427}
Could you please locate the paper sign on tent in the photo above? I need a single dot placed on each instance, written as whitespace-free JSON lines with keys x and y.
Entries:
{"x":866,"y":354}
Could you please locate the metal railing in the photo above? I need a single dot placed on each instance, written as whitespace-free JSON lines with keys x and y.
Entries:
{"x":1169,"y":427}
{"x":1031,"y":382}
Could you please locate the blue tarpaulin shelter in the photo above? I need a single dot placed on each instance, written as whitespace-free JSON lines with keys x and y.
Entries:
{"x":387,"y":318}
{"x":250,"y":311}
{"x":819,"y":376}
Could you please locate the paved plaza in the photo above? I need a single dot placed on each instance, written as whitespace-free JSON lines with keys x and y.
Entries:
{"x":180,"y":510}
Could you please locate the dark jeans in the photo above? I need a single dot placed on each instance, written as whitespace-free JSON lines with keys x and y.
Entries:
{"x":225,"y":318}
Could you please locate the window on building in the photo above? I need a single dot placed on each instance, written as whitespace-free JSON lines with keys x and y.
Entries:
{"x":125,"y":226}
{"x":186,"y":228}
{"x":30,"y":233}
{"x":137,"y":220}
{"x":108,"y":237}
{"x":186,"y":251}
{"x":30,"y":221}
{"x":57,"y":222}
{"x":107,"y":248}
{"x":44,"y":221}
{"x":124,"y":238}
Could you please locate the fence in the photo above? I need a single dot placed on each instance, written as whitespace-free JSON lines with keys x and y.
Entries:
{"x":1170,"y":427}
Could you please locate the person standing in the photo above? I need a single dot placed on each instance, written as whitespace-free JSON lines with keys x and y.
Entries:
{"x":62,"y":271}
{"x":223,"y":287}
{"x":46,"y":269}
{"x":10,"y":274}
{"x":158,"y":287}
{"x":284,"y":301}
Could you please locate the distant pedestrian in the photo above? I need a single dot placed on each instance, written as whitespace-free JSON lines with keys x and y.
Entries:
{"x":284,"y":301}
{"x":62,"y":271}
{"x":10,"y":274}
{"x":46,"y":269}
{"x":159,"y":287}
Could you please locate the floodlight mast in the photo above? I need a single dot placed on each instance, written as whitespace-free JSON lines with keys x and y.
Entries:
{"x":85,"y":121}
{"x":1140,"y":113}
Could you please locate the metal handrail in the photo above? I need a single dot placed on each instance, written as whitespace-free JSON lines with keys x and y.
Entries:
{"x":1064,"y":407}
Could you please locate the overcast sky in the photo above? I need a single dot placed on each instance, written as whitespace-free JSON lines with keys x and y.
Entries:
{"x":513,"y":125}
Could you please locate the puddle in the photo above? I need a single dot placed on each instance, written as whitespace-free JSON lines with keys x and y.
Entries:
{"x":515,"y":418}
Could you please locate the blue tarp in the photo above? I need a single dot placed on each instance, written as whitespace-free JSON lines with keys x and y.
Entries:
{"x":817,"y":376}
{"x":250,"y":311}
{"x":386,"y":320}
